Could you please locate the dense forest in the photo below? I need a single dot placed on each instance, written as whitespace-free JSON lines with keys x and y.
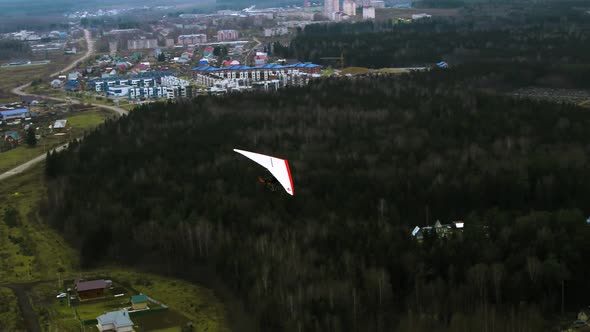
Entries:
{"x":14,"y":49}
{"x":371,"y":158}
{"x":544,"y":37}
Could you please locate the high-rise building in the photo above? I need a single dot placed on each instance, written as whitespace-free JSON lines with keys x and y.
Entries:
{"x":378,"y":3}
{"x":335,"y":6}
{"x":192,"y":39}
{"x":328,"y":8}
{"x":223,"y":35}
{"x":369,"y":13}
{"x":349,"y":7}
{"x":141,"y":44}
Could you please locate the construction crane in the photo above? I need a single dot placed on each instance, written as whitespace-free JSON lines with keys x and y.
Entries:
{"x":341,"y":58}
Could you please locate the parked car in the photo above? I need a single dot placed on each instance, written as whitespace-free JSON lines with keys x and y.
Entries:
{"x":61,"y":295}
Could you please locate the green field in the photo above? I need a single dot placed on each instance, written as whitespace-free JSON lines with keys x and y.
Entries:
{"x":355,"y":70}
{"x":79,"y":123}
{"x":31,"y":251}
{"x":10,"y":319}
{"x":187,"y":302}
{"x":11,"y":77}
{"x":197,"y":303}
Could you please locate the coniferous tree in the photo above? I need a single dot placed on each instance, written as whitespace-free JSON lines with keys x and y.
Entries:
{"x":31,"y":137}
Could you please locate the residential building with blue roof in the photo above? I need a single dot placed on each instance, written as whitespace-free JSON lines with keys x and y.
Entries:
{"x":294,"y":74}
{"x":19,"y":113}
{"x":118,"y":321}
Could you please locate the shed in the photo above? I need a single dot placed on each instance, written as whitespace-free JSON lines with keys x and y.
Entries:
{"x":56,"y":83}
{"x":12,"y":137}
{"x":60,"y":125}
{"x":139,"y":302}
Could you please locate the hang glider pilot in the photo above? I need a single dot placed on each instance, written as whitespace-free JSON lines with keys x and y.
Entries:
{"x":279,"y":168}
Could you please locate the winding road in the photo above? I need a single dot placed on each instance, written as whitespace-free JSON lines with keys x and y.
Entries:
{"x":19,"y":91}
{"x":258,"y":43}
{"x":21,"y":289}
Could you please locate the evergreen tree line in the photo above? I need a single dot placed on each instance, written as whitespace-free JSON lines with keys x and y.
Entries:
{"x":371,"y":158}
{"x":522,"y":37}
{"x":14,"y":49}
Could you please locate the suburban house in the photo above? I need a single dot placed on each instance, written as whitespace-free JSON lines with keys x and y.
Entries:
{"x":72,"y":86}
{"x":73,"y":76}
{"x":93,"y":289}
{"x":583,"y":315}
{"x":31,"y":100}
{"x":139,"y":302}
{"x":117,"y":321}
{"x":13,"y":137}
{"x":19,"y":113}
{"x":60,"y":126}
{"x":441,"y":230}
{"x":56,"y":83}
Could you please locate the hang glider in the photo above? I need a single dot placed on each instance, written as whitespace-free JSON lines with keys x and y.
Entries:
{"x":279,"y":168}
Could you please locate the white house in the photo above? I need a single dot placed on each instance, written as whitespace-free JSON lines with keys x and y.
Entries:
{"x":420,"y":16}
{"x":117,"y":321}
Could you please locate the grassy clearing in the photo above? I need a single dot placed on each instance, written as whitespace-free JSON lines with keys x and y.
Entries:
{"x":79,"y":122}
{"x":162,"y":321}
{"x":328,"y":72}
{"x":394,"y":70}
{"x":187,"y":303}
{"x":87,"y":120}
{"x":41,"y":254}
{"x":30,"y":250}
{"x":12,"y":77}
{"x":53,"y":314}
{"x":355,"y":70}
{"x":94,"y":308}
{"x":197,"y":303}
{"x":10,"y":319}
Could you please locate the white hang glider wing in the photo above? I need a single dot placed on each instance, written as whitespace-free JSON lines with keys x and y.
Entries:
{"x":279,"y":168}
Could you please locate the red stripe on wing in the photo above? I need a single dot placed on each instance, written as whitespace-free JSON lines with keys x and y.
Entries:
{"x":290,"y":177}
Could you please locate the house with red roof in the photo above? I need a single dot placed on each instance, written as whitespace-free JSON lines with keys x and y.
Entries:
{"x":93,"y":289}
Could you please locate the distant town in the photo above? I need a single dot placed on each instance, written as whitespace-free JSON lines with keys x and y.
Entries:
{"x":188,"y":54}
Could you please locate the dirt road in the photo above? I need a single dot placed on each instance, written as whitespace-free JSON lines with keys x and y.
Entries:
{"x":19,"y":91}
{"x":21,"y":292}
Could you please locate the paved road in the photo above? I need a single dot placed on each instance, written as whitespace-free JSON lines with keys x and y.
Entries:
{"x":247,"y":59}
{"x":89,"y":52}
{"x":19,"y":91}
{"x":23,"y":167}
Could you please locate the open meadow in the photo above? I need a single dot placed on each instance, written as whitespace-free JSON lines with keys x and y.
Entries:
{"x":78,"y":122}
{"x":11,"y":77}
{"x":34,"y":253}
{"x":10,"y":319}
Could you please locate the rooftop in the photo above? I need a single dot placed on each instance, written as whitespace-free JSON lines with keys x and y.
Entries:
{"x":15,"y":111}
{"x":13,"y":134}
{"x":118,"y":318}
{"x":60,"y":124}
{"x":139,"y":298}
{"x":268,"y":66}
{"x":88,"y":285}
